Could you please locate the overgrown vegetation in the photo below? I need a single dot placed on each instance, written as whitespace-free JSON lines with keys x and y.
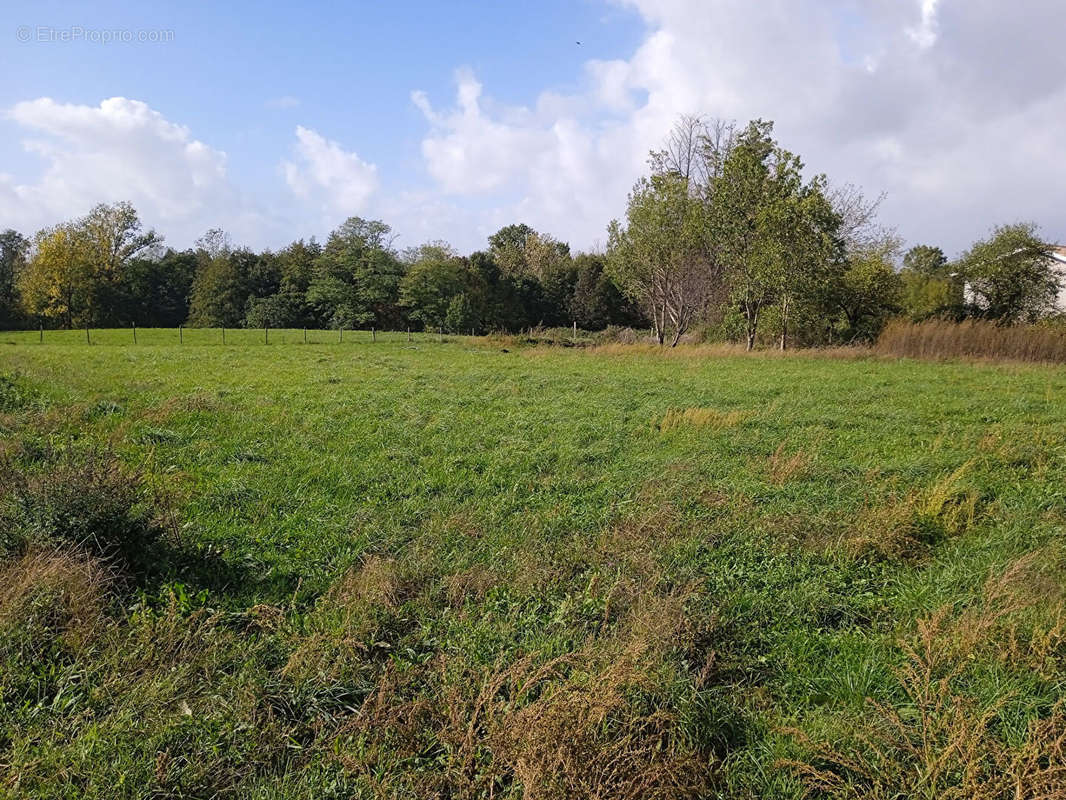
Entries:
{"x":974,"y":339}
{"x":465,"y":570}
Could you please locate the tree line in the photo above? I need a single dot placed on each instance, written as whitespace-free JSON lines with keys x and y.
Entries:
{"x":725,"y":237}
{"x":104,"y":270}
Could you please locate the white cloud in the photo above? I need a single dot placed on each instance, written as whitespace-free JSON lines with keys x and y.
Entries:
{"x":951,"y":106}
{"x":337,"y":181}
{"x":119,"y":150}
{"x":924,"y":35}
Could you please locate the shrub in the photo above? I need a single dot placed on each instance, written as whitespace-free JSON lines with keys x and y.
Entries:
{"x":90,"y":502}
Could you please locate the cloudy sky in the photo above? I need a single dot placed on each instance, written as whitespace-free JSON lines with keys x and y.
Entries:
{"x":450,"y":119}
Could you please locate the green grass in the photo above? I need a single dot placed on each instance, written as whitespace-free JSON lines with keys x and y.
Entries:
{"x":421,"y":517}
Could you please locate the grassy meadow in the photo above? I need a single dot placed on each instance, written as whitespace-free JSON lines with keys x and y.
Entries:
{"x":478,"y":569}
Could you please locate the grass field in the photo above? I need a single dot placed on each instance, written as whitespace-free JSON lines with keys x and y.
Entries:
{"x":449,"y":570}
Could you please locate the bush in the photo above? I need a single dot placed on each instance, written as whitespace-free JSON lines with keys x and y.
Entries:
{"x":90,"y":502}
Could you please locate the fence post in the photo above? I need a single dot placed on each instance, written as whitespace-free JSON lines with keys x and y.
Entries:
{"x":440,"y":334}
{"x":266,"y":335}
{"x":575,"y":330}
{"x":87,"y":335}
{"x":223,"y":334}
{"x":42,"y":333}
{"x":181,"y":336}
{"x":135,"y":333}
{"x":408,"y":333}
{"x":305,"y":335}
{"x":373,"y":335}
{"x":342,"y":334}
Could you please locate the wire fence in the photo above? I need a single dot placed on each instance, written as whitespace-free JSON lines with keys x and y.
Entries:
{"x":229,"y":337}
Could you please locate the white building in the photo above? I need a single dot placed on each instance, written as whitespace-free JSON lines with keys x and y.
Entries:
{"x":1058,"y":253}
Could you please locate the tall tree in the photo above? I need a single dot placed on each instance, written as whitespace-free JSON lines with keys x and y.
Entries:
{"x":156,"y":291}
{"x":930,"y":286}
{"x":659,"y":258}
{"x":356,"y":281}
{"x":432,"y":285}
{"x":597,"y":302}
{"x":56,"y":283}
{"x":868,"y":294}
{"x":14,"y":249}
{"x":77,"y":271}
{"x":744,"y":223}
{"x":222,"y":286}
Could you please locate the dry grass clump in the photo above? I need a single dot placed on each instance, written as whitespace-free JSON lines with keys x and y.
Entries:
{"x":376,"y":582}
{"x":902,"y":529}
{"x":471,"y":584}
{"x":351,"y":625}
{"x":52,"y":596}
{"x":783,"y":467}
{"x":950,"y":503}
{"x":175,"y":406}
{"x":941,"y":743}
{"x":703,"y":418}
{"x":974,"y":339}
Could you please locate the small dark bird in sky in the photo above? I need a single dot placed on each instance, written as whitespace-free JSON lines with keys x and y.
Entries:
{"x":578,"y":42}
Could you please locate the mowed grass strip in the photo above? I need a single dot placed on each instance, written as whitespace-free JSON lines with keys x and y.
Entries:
{"x":441,"y":569}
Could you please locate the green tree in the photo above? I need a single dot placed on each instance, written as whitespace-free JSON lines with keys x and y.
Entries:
{"x":223,"y":284}
{"x":597,"y":301}
{"x":157,"y":291}
{"x":808,"y":253}
{"x":1010,"y":276}
{"x":775,"y":236}
{"x":929,"y":287}
{"x":659,"y":257}
{"x":356,"y":279}
{"x":431,"y":285}
{"x":926,"y":260}
{"x":508,"y":248}
{"x":14,"y":249}
{"x":868,"y":294}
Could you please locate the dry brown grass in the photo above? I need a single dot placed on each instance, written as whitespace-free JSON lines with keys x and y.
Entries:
{"x":703,"y":418}
{"x":581,"y":725}
{"x":344,"y":628}
{"x":942,"y":743}
{"x":471,"y":584}
{"x":175,"y":406}
{"x":722,"y":350}
{"x":54,"y":595}
{"x":782,"y":467}
{"x":973,"y":339}
{"x":376,"y":582}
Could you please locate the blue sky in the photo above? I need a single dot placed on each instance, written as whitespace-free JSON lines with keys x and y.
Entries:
{"x":278,"y":121}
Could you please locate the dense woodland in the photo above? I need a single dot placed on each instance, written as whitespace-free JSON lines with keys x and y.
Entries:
{"x":725,"y":238}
